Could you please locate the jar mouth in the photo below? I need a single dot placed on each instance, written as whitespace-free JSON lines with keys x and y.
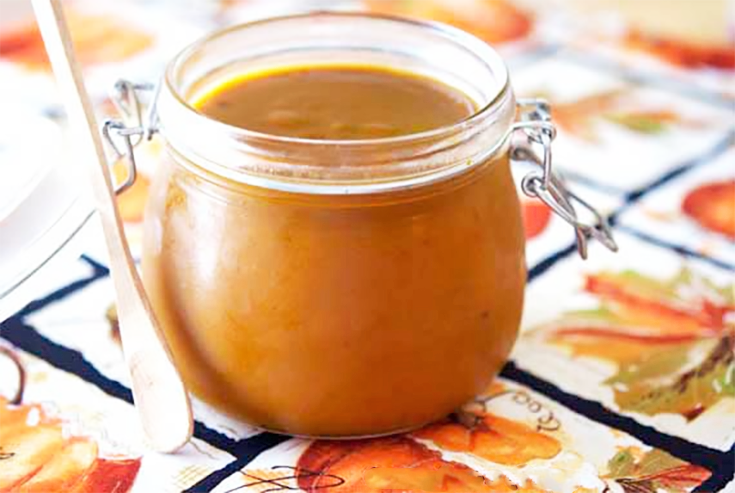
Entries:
{"x":482,"y":49}
{"x":336,"y":166}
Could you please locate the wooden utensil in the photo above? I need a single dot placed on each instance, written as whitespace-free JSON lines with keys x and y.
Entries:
{"x":160,"y":396}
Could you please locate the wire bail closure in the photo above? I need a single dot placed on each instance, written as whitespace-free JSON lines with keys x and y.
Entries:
{"x":535,"y":122}
{"x":135,"y":125}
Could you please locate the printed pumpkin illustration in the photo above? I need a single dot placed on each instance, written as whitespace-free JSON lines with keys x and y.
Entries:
{"x":37,"y":454}
{"x":494,"y":21}
{"x":401,"y":463}
{"x":493,"y":438}
{"x":97,"y":39}
{"x":536,"y":217}
{"x":618,"y":108}
{"x":388,"y":465}
{"x":681,"y":53}
{"x":712,"y":206}
{"x":672,"y":341}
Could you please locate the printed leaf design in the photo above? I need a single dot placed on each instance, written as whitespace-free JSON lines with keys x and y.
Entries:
{"x":655,"y":471}
{"x":671,"y":340}
{"x":621,"y":465}
{"x":97,"y":39}
{"x":578,"y":117}
{"x":495,"y":21}
{"x":658,"y":365}
{"x":692,"y":391}
{"x":682,"y":53}
{"x":619,"y":107}
{"x":643,"y":122}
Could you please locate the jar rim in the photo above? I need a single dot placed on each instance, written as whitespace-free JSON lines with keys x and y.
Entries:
{"x":474,"y":44}
{"x":213,"y":148}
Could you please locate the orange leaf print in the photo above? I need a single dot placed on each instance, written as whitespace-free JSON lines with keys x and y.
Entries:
{"x":662,"y":315}
{"x":617,"y":106}
{"x":576,"y":117}
{"x":654,"y":471}
{"x":494,"y":21}
{"x":682,"y":53}
{"x":683,"y":476}
{"x":671,"y":341}
{"x":97,"y":39}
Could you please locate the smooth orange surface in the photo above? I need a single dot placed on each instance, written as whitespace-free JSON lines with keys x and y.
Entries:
{"x":335,"y":102}
{"x":336,"y":315}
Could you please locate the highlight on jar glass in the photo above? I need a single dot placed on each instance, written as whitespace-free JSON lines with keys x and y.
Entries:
{"x":333,"y":241}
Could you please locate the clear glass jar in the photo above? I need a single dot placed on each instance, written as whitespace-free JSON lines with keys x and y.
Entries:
{"x":336,"y":288}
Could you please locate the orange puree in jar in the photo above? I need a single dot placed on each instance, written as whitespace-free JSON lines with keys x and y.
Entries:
{"x":342,"y":102}
{"x":336,"y":314}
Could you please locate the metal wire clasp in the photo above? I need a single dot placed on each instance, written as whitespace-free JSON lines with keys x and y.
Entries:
{"x":535,"y":122}
{"x":134,"y":126}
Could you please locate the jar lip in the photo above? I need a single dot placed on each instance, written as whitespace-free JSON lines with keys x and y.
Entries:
{"x":476,"y":45}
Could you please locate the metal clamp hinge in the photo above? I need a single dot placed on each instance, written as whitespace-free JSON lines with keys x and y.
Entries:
{"x":134,"y":126}
{"x":535,"y":122}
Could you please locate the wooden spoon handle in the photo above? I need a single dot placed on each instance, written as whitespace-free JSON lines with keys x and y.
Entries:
{"x":159,"y":393}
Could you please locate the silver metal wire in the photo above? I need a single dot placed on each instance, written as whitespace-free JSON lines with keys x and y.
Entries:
{"x":535,"y":122}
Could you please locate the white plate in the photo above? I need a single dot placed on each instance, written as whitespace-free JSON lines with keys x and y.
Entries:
{"x":49,"y":209}
{"x":25,"y":142}
{"x":43,"y":206}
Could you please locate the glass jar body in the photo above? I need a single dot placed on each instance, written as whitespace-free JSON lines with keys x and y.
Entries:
{"x":336,"y":288}
{"x":336,"y":315}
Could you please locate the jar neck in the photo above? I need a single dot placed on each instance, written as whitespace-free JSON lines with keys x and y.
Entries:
{"x":337,"y":166}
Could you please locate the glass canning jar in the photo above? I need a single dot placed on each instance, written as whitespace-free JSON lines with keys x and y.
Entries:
{"x":342,"y":287}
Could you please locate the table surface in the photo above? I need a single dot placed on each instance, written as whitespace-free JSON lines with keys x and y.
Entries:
{"x":623,"y":376}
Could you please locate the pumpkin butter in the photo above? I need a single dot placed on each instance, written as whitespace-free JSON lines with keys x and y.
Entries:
{"x":342,"y":102}
{"x":336,"y":314}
